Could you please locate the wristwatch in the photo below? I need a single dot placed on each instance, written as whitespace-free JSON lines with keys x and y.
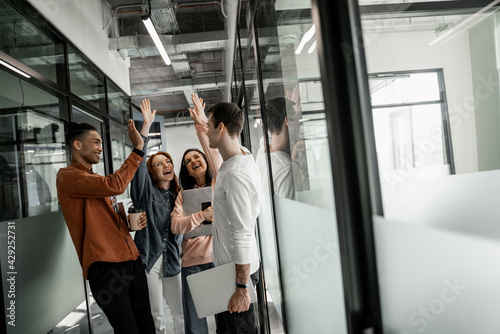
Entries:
{"x":241,"y":285}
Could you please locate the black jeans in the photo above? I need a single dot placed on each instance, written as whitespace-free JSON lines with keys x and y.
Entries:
{"x":121,"y":291}
{"x":240,"y":323}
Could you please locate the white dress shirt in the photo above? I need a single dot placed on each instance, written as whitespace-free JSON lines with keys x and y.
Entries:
{"x":236,"y":208}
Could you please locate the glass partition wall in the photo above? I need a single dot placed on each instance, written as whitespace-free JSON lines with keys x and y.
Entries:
{"x":437,"y":144}
{"x":62,"y":85}
{"x":279,"y":87}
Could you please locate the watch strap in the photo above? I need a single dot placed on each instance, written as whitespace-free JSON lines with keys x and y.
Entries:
{"x":241,"y":285}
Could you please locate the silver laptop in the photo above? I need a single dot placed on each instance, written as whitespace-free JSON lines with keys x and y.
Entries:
{"x":192,"y":199}
{"x":212,"y":289}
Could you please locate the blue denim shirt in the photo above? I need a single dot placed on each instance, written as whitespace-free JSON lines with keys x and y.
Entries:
{"x":156,"y":238}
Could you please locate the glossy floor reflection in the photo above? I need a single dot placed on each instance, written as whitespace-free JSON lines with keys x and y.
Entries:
{"x":76,"y":321}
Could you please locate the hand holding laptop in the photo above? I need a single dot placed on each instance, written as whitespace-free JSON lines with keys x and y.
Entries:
{"x":240,"y":301}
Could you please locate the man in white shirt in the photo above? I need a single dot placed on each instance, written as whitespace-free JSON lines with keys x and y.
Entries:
{"x":236,"y":208}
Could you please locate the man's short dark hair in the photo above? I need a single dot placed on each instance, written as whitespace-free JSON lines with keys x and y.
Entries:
{"x":77,"y":131}
{"x":276,"y":113}
{"x":230,"y":115}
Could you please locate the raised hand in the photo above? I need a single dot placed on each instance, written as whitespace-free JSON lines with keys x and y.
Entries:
{"x":198,"y":113}
{"x":147,"y":115}
{"x":294,"y":96}
{"x":134,"y":135}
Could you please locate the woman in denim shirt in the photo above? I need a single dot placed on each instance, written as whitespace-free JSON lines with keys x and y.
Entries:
{"x":154,"y":190}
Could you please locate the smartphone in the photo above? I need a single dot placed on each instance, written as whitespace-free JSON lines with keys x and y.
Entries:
{"x":205,"y":205}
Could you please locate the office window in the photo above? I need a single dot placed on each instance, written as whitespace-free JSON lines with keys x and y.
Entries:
{"x":120,"y":149}
{"x":118,"y":103}
{"x":86,"y":81}
{"x":30,"y":43}
{"x":32,"y":149}
{"x":410,"y":123}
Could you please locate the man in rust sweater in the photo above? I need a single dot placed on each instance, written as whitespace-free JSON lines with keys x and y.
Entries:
{"x":107,"y":253}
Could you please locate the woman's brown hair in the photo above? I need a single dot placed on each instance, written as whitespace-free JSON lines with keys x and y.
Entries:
{"x":174,"y":185}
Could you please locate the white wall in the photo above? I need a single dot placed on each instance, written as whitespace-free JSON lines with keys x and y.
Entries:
{"x":179,"y":139}
{"x":81,"y":22}
{"x":484,"y":70}
{"x":411,"y":51}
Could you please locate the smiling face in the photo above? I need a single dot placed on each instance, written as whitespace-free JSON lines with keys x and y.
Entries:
{"x":195,"y":164}
{"x":163,"y":169}
{"x":88,"y":149}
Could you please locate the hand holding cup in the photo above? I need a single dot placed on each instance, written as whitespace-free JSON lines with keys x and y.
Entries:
{"x":137,"y":219}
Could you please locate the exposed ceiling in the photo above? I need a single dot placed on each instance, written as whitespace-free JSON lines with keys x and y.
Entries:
{"x":195,"y":38}
{"x":195,"y":34}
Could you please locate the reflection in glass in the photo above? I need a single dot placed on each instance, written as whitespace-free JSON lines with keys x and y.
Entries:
{"x":300,"y":169}
{"x":86,"y":81}
{"x":31,"y":149}
{"x":24,"y":41}
{"x":44,"y":154}
{"x":120,"y":145}
{"x":75,"y":322}
{"x":119,"y":107}
{"x":287,"y":175}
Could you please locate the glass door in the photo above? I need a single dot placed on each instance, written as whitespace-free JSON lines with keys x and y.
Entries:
{"x":298,"y":231}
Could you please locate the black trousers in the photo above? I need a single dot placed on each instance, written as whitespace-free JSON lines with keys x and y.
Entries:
{"x":121,"y":291}
{"x":240,"y":323}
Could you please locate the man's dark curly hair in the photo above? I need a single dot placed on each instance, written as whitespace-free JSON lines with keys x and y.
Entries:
{"x":77,"y":131}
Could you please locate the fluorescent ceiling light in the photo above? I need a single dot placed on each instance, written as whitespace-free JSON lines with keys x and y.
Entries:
{"x":306,"y":38}
{"x":14,"y":69}
{"x":313,"y":47}
{"x":159,"y":45}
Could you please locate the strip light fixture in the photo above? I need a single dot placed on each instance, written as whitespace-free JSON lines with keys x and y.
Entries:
{"x":306,"y":38}
{"x":146,"y":19}
{"x":15,"y":69}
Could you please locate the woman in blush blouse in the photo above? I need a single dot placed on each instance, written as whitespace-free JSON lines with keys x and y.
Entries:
{"x":197,"y":171}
